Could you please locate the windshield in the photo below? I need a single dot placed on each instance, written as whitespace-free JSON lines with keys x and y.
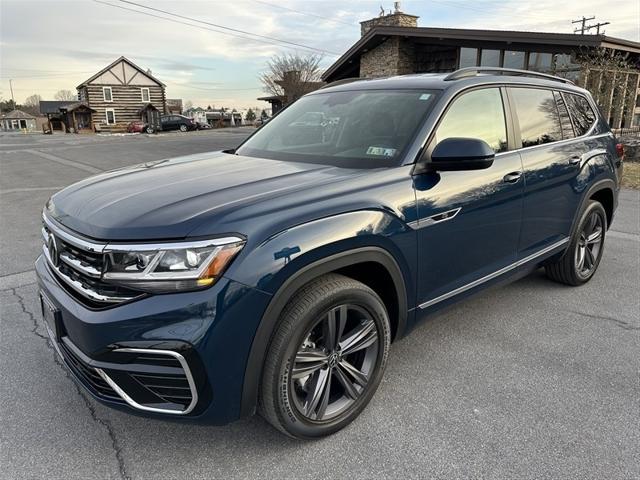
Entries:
{"x":353,"y":129}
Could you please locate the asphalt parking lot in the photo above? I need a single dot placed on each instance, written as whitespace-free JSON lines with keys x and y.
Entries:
{"x":531,"y":380}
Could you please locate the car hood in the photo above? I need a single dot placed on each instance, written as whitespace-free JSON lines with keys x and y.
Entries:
{"x":168,"y":199}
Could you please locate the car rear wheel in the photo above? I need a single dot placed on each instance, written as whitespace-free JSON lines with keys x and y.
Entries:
{"x":581,"y":260}
{"x":183,"y":128}
{"x":326,"y":358}
{"x":149,"y":129}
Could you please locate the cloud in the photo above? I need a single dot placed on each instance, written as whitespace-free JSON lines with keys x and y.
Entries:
{"x":41,"y":40}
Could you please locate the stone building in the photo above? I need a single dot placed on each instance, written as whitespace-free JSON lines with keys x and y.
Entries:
{"x":394,"y":44}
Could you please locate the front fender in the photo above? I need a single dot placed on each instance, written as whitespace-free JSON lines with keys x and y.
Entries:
{"x":268,"y":265}
{"x":286,"y":261}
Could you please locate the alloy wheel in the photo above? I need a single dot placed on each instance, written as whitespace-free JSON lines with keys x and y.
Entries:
{"x":589,"y":245}
{"x":334,"y":363}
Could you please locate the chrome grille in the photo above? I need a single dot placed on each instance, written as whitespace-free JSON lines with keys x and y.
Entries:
{"x":79,"y":265}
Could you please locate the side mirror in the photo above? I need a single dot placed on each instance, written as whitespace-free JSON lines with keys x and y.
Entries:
{"x":453,"y":154}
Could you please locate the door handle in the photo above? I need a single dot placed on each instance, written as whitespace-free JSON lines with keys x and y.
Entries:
{"x":575,"y":160}
{"x":512,"y":177}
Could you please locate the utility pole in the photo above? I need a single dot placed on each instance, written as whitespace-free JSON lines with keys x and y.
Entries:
{"x":597,"y":27}
{"x":11,"y":88}
{"x":583,"y":21}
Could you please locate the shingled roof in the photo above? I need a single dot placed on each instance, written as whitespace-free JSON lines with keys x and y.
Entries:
{"x":18,"y":114}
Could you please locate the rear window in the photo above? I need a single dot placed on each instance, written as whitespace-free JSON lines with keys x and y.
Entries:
{"x":581,"y":112}
{"x":565,"y":120}
{"x":538,"y":116}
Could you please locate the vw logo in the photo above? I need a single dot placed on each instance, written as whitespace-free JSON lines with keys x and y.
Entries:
{"x":334,"y":358}
{"x":53,"y":250}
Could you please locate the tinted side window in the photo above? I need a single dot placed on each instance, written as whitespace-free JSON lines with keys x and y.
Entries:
{"x":581,"y":112}
{"x":477,"y":114}
{"x":565,"y":120}
{"x":538,"y":116}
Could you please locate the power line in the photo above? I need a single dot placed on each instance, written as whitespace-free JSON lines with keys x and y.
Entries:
{"x":190,"y":24}
{"x":236,"y":30}
{"x":282,"y":7}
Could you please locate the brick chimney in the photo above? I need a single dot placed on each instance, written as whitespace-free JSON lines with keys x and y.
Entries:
{"x":395,"y":19}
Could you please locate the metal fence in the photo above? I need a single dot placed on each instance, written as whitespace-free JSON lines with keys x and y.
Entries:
{"x":630,"y":131}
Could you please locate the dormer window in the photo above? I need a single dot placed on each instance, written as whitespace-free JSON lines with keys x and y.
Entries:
{"x":106,"y":94}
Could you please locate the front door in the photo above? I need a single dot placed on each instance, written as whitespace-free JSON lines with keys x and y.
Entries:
{"x":469,"y":221}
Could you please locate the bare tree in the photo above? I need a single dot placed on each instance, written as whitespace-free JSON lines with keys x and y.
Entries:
{"x":187,"y":105}
{"x":65,"y":95}
{"x":291,"y":76}
{"x":611,"y":79}
{"x":32,"y":104}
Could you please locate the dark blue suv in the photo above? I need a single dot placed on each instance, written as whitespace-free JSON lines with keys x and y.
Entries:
{"x":274,"y":277}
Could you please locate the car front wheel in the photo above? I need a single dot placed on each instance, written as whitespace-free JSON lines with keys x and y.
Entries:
{"x":183,"y":128}
{"x":326,"y":358}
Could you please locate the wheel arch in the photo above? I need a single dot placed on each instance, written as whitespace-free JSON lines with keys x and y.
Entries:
{"x":346,"y":263}
{"x":603,"y":191}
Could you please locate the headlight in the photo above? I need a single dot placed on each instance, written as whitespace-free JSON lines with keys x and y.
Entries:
{"x":171,"y":267}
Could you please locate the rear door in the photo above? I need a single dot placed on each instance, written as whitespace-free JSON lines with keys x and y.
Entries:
{"x":469,"y":221}
{"x":551,"y":158}
{"x":169,"y":123}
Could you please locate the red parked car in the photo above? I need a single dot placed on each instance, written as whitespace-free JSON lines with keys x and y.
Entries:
{"x":136,"y":127}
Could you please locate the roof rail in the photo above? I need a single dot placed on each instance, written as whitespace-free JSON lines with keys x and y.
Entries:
{"x":341,"y":82}
{"x":474,"y":71}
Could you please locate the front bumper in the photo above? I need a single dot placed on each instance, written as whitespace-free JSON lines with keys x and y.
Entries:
{"x":177,"y":355}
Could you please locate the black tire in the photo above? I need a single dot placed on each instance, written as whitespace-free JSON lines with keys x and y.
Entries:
{"x":279,"y":401}
{"x":183,"y":128}
{"x":568,"y":269}
{"x":149,"y":130}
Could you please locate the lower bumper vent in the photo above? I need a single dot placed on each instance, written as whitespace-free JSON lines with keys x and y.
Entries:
{"x":168,"y":386}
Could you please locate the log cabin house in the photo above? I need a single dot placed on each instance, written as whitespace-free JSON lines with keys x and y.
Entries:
{"x":121,"y":93}
{"x":67,"y":116}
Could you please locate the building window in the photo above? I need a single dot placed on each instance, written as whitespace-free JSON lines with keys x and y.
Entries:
{"x":468,"y":57}
{"x":145,"y":95}
{"x":540,"y":62}
{"x":565,"y":61}
{"x":110,"y":115}
{"x":106,"y":94}
{"x":513,"y":59}
{"x":490,"y":58}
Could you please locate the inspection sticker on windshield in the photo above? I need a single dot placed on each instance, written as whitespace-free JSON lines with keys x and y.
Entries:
{"x":425,"y":96}
{"x":385,"y":152}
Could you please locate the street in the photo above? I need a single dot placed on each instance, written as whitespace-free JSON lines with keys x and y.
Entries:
{"x":531,"y":380}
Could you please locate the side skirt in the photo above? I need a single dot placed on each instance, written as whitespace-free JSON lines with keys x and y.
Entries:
{"x":531,"y":258}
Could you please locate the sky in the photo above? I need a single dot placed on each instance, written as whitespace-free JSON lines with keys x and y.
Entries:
{"x":48,"y":45}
